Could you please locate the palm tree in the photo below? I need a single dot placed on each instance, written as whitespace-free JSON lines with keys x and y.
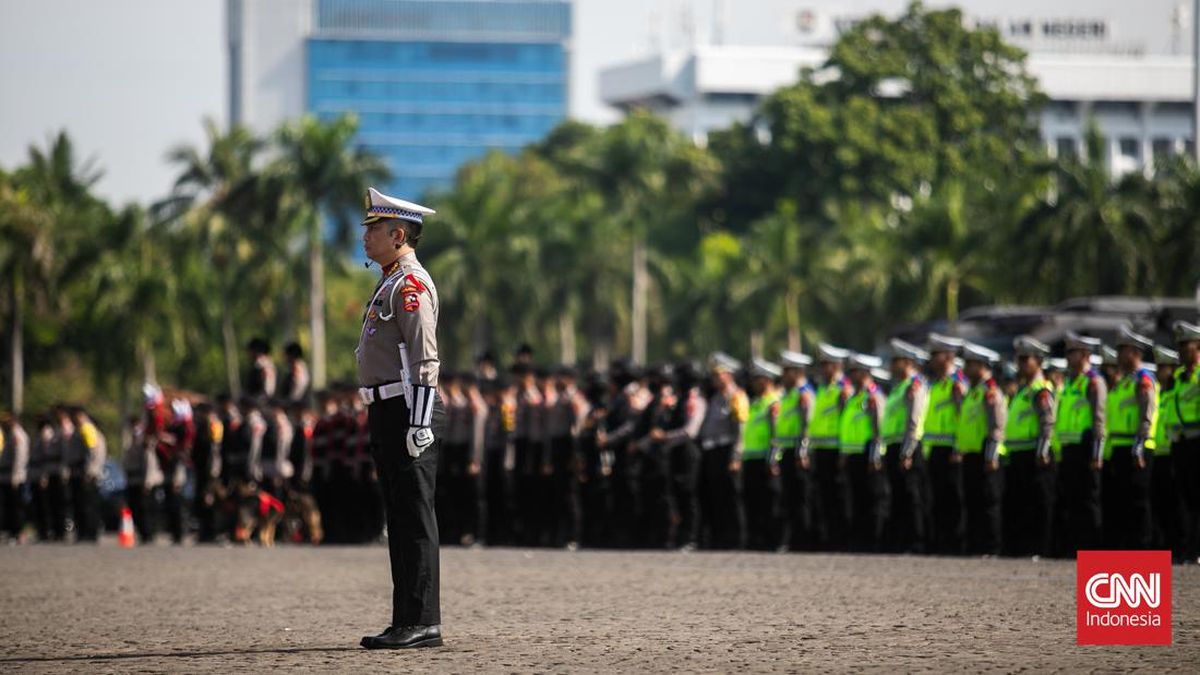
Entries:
{"x":27,"y":258}
{"x":1175,"y":196}
{"x":791,"y":267}
{"x":1098,"y":227}
{"x":326,"y":175}
{"x":482,"y":248}
{"x":131,"y":298}
{"x":652,"y":178}
{"x":44,"y":209}
{"x":214,"y":197}
{"x":943,"y":248}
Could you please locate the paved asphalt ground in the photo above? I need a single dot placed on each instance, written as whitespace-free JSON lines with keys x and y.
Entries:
{"x":208,"y":609}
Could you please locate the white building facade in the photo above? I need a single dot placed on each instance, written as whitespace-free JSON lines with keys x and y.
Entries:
{"x":1127,"y":66}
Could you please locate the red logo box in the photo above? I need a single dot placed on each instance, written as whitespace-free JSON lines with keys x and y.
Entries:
{"x":1123,"y":598}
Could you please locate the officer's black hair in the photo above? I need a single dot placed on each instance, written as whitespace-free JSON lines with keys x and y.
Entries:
{"x":294,"y":350}
{"x":412,"y":231}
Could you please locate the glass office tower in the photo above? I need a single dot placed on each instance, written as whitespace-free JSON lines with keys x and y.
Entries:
{"x":438,"y":82}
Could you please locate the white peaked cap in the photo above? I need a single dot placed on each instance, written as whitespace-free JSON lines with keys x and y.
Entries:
{"x":380,"y":206}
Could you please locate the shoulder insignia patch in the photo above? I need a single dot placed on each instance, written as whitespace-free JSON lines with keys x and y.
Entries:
{"x":411,"y":292}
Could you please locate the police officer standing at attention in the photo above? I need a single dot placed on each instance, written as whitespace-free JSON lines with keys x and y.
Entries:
{"x":980,"y":441}
{"x":903,"y":429}
{"x":721,"y":455}
{"x":1162,"y":475}
{"x":760,"y":458}
{"x":1029,"y":477}
{"x":1079,"y":430}
{"x":398,"y":376}
{"x":860,"y":435}
{"x":946,"y":391}
{"x":1185,"y":447}
{"x":791,"y":436}
{"x":829,"y":465}
{"x":1129,"y":457}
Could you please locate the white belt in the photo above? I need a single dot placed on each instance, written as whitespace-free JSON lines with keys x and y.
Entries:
{"x":381,"y":393}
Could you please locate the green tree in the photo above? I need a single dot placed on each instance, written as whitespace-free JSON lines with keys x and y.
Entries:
{"x":214,"y":197}
{"x":1088,"y":234}
{"x":899,"y":106}
{"x":46,"y":209}
{"x":325,"y":175}
{"x":1175,"y":195}
{"x":652,"y":179}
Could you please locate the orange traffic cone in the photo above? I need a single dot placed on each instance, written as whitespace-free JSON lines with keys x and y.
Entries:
{"x":125,"y":534}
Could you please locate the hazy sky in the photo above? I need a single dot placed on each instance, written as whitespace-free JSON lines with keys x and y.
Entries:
{"x":129,"y":79}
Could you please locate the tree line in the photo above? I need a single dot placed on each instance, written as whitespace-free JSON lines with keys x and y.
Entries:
{"x":903,"y":180}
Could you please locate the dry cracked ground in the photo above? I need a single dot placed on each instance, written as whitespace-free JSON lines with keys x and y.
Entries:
{"x":210,"y":609}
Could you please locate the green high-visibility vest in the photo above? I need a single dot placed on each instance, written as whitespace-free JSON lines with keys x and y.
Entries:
{"x":856,"y":426}
{"x":827,"y":415}
{"x":895,"y":412}
{"x":1187,"y":401}
{"x":941,"y":421}
{"x":1073,"y":418}
{"x":972,"y":421}
{"x":756,"y":432}
{"x":1168,"y":423}
{"x":1122,"y":411}
{"x":1022,"y":429}
{"x":787,"y":425}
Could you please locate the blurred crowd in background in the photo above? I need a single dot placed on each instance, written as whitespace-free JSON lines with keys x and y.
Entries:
{"x":832,"y":452}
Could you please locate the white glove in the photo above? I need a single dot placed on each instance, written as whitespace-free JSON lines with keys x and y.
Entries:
{"x":418,"y":439}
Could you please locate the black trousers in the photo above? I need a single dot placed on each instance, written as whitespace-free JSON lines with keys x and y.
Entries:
{"x":409,"y":486}
{"x":796,"y":486}
{"x":458,"y":495}
{"x":658,"y":508}
{"x":720,"y":499}
{"x":870,"y":499}
{"x":529,"y":494}
{"x":761,"y":493}
{"x":1185,"y":460}
{"x":1125,"y":500}
{"x":685,"y":474}
{"x":140,"y":501}
{"x":50,"y":500}
{"x":1163,"y":510}
{"x":203,"y":506}
{"x":497,"y":488}
{"x":628,"y":530}
{"x":946,"y":488}
{"x":597,"y":500}
{"x":85,"y":505}
{"x":12,"y":505}
{"x":1028,"y":505}
{"x":565,"y":510}
{"x":982,"y":491}
{"x":908,"y":515}
{"x":172,"y":501}
{"x":1078,"y":504}
{"x":371,"y":510}
{"x":832,"y":505}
